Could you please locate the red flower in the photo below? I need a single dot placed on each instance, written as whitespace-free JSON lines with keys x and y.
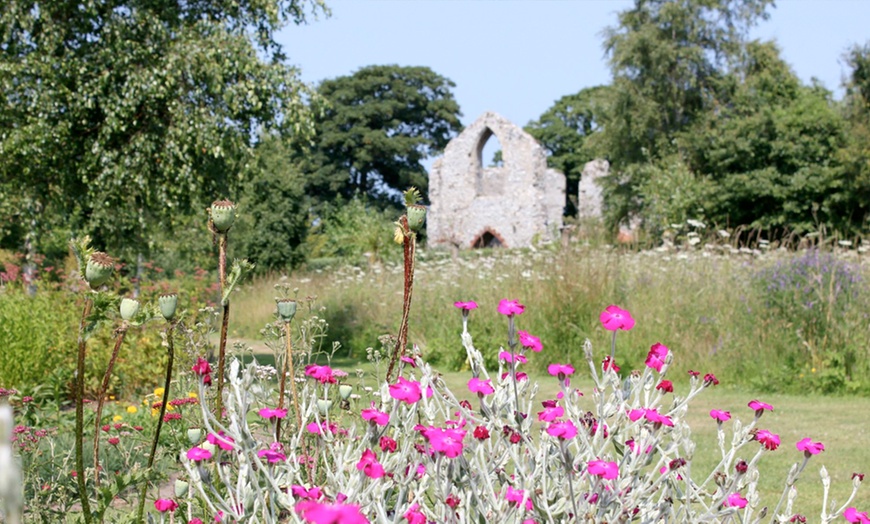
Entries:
{"x":710,"y":379}
{"x":666,"y":385}
{"x":388,"y":445}
{"x":114,"y":441}
{"x":481,"y":433}
{"x":609,"y":364}
{"x":767,"y":439}
{"x":164,"y":505}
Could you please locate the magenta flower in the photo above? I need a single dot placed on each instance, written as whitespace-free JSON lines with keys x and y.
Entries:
{"x":408,"y":360}
{"x":516,"y":496}
{"x":466,"y":306}
{"x":809,"y":447}
{"x":520,"y":376}
{"x":666,"y":385}
{"x":481,"y":387}
{"x":710,"y":379}
{"x":317,"y":513}
{"x":720,"y":416}
{"x":560,"y":370}
{"x":510,"y":358}
{"x":273,"y":413}
{"x":604,"y":469}
{"x":446,"y":441}
{"x":658,"y":352}
{"x":370,"y":466}
{"x":510,"y":307}
{"x":759,"y":407}
{"x":372,"y":414}
{"x":853,"y":515}
{"x":388,"y":445}
{"x":551,"y":413}
{"x":322,"y":374}
{"x":564,"y":430}
{"x":414,"y":515}
{"x":636,"y":414}
{"x":220,"y":440}
{"x":406,"y":390}
{"x":164,"y":505}
{"x":201,"y":367}
{"x":613,"y":318}
{"x":197,"y":454}
{"x":530,"y":342}
{"x":767,"y":439}
{"x":301,"y":492}
{"x":735,"y":500}
{"x":608,"y":364}
{"x":273,"y":456}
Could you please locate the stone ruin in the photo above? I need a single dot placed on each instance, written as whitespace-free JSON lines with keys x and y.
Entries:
{"x":508,"y":205}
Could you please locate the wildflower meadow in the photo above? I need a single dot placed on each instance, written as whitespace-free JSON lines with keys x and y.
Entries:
{"x":495,"y":415}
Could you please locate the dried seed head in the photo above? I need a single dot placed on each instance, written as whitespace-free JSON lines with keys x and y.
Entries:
{"x":223,"y":214}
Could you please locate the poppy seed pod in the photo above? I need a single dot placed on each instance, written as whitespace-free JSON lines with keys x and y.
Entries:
{"x":223,"y":214}
{"x":323,"y":406}
{"x":345,"y":390}
{"x":194,"y":435}
{"x":286,"y":309}
{"x":129,"y":308}
{"x":416,"y":216}
{"x":99,"y":269}
{"x":181,"y":488}
{"x":168,"y":303}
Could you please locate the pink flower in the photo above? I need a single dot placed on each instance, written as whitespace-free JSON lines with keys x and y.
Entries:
{"x":272,"y":456}
{"x":560,"y":370}
{"x":388,"y":445}
{"x":655,"y":359}
{"x":414,"y":515}
{"x":710,"y":379}
{"x":809,"y":447}
{"x":273,"y":413}
{"x":301,"y":492}
{"x":635,"y":414}
{"x":759,"y":407}
{"x":510,"y":307}
{"x":406,"y":391}
{"x":372,"y":414}
{"x":609,"y":364}
{"x":322,"y":374}
{"x":369,"y":465}
{"x":195,"y":520}
{"x":466,"y":306}
{"x":720,"y":416}
{"x":564,"y":430}
{"x":317,"y":429}
{"x":318,"y":513}
{"x":530,"y":342}
{"x":164,"y":505}
{"x":735,"y":500}
{"x":452,"y":501}
{"x":114,"y":441}
{"x":551,"y":413}
{"x":482,"y":387}
{"x":201,"y":367}
{"x":408,"y":360}
{"x":197,"y":454}
{"x":666,"y":385}
{"x":511,"y":358}
{"x":222,"y":441}
{"x":767,"y":439}
{"x":601,"y":468}
{"x":852,"y":515}
{"x":516,"y":496}
{"x":481,"y":433}
{"x":520,"y":376}
{"x":446,"y":441}
{"x":613,"y":318}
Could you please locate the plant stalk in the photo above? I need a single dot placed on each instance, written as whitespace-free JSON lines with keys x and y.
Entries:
{"x":288,"y":370}
{"x":225,"y":321}
{"x":410,"y":249}
{"x":121,"y":333}
{"x":80,"y":414}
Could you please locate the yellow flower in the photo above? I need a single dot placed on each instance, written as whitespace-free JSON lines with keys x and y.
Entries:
{"x":132,"y":409}
{"x":159,"y":392}
{"x":117,"y":418}
{"x":155,"y":412}
{"x":192,"y":395}
{"x":111,"y":397}
{"x":170,"y":407}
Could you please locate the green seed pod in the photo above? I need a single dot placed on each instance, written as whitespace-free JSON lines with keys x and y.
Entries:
{"x":181,"y":488}
{"x":286,"y":309}
{"x":223,"y":214}
{"x":323,"y":406}
{"x":345,"y":390}
{"x":168,"y":303}
{"x":416,"y":216}
{"x":99,"y":269}
{"x":129,"y":308}
{"x":194,"y":435}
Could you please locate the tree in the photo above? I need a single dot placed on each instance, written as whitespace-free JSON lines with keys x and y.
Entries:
{"x":381,"y":122}
{"x":117,"y":115}
{"x":564,"y":131}
{"x":855,"y":154}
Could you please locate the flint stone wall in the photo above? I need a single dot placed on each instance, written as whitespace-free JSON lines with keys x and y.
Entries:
{"x":514,"y":203}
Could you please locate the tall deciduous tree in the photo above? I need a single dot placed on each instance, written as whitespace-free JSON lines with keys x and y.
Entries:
{"x":380,"y":123}
{"x":121,"y":114}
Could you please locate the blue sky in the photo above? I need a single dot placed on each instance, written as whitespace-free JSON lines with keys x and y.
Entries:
{"x":516,"y":57}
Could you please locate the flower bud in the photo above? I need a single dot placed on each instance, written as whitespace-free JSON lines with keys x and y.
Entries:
{"x":168,"y":304}
{"x":286,"y":309}
{"x":129,"y":308}
{"x":181,"y":488}
{"x":194,"y":435}
{"x":323,"y":406}
{"x":416,"y":215}
{"x":223,"y":214}
{"x":345,"y":390}
{"x":99,"y":269}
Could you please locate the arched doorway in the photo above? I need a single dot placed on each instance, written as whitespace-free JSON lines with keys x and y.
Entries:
{"x":488,"y":239}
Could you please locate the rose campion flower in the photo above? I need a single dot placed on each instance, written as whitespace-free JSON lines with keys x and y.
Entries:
{"x":530,"y":342}
{"x":511,"y":358}
{"x":197,"y":454}
{"x":613,"y":318}
{"x":414,"y":515}
{"x":272,"y":413}
{"x":272,"y":456}
{"x":759,"y":407}
{"x":809,"y":447}
{"x":446,"y":441}
{"x":602,"y":468}
{"x":301,"y":492}
{"x":609,"y":364}
{"x":321,"y":513}
{"x":720,"y":416}
{"x":551,"y":413}
{"x":853,"y":515}
{"x":735,"y":500}
{"x":510,"y":307}
{"x":114,"y":441}
{"x":564,"y":430}
{"x":516,"y":496}
{"x":481,"y":433}
{"x":481,"y":387}
{"x":164,"y":505}
{"x":655,"y":359}
{"x":466,"y":306}
{"x":710,"y":380}
{"x":406,"y":391}
{"x":666,"y":385}
{"x":370,"y":466}
{"x":388,"y":445}
{"x":376,"y":416}
{"x":322,"y":374}
{"x":560,"y":370}
{"x":767,"y":439}
{"x":452,"y":501}
{"x":220,"y":440}
{"x":195,"y":520}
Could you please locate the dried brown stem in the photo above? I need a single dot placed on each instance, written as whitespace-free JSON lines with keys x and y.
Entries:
{"x":121,"y":333}
{"x":80,"y":414}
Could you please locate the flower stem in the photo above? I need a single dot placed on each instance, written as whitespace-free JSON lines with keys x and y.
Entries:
{"x":288,"y":371}
{"x":410,"y":249}
{"x":613,"y":346}
{"x":225,"y":321}
{"x":80,"y":414}
{"x":121,"y":333}
{"x":569,"y":471}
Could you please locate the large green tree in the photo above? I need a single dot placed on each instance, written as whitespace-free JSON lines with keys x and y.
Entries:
{"x":855,"y":155}
{"x":378,"y":126}
{"x":120,"y":115}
